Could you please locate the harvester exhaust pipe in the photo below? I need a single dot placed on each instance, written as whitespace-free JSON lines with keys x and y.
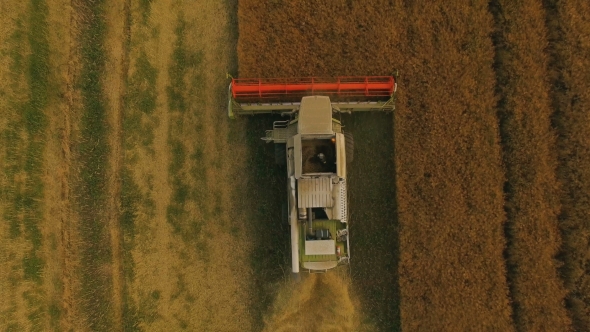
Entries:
{"x":294,"y":232}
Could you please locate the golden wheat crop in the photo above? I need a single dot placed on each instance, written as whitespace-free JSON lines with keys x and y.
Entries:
{"x":568,"y":24}
{"x":532,"y":196}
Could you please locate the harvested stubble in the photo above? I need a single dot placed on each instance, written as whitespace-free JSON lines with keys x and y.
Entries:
{"x":532,"y":196}
{"x":447,"y":153}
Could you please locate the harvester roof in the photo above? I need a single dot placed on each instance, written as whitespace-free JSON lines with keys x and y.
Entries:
{"x":315,"y":116}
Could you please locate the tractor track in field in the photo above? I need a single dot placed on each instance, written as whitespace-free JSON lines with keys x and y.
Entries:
{"x":68,"y":240}
{"x":115,"y":88}
{"x":65,"y":216}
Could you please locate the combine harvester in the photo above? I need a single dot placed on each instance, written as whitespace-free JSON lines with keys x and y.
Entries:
{"x":316,"y":150}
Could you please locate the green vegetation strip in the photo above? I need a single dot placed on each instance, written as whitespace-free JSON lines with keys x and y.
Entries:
{"x":24,"y":141}
{"x":130,"y":204}
{"x":138,"y":132}
{"x":140,"y":103}
{"x":96,"y":253}
{"x":177,"y":105}
{"x":179,"y":98}
{"x":186,"y":170}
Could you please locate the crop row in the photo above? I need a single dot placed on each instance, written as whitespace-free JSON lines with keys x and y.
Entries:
{"x":449,"y":173}
{"x":568,"y":25}
{"x":529,"y":142}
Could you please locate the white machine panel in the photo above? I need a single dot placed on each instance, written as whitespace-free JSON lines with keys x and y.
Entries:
{"x":320,"y":247}
{"x":315,"y":115}
{"x":315,"y":192}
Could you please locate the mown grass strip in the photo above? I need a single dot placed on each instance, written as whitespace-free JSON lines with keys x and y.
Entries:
{"x":569,"y":49}
{"x":140,"y":103}
{"x":35,"y":123}
{"x":130,"y":203}
{"x":96,"y":255}
{"x":24,"y":141}
{"x":138,"y":131}
{"x":177,"y":105}
{"x":531,"y":188}
{"x":186,"y":169}
{"x":38,"y":68}
{"x":179,"y":96}
{"x":12,"y":159}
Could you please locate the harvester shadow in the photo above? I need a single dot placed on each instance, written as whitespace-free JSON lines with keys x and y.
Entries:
{"x":261,"y":198}
{"x":374,"y":238}
{"x":373,"y":219}
{"x":267,"y":188}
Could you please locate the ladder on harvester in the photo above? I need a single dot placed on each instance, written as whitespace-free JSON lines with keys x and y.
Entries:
{"x":280,"y":133}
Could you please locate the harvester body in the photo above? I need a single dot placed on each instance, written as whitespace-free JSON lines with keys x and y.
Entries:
{"x":316,"y":151}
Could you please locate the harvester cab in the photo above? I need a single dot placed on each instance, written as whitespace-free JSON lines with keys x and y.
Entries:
{"x":316,"y":150}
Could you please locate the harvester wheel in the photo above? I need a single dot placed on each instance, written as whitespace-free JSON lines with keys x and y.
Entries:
{"x":280,"y":154}
{"x":349,"y":147}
